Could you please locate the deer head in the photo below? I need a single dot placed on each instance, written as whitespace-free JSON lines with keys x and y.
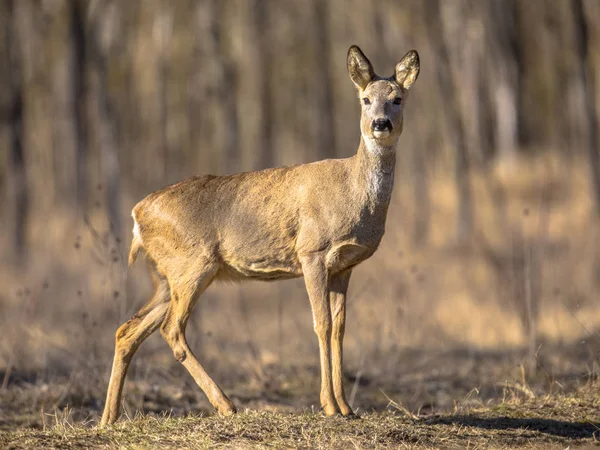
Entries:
{"x":382,"y":99}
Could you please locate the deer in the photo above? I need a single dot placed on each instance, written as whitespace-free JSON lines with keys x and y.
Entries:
{"x":317,"y":220}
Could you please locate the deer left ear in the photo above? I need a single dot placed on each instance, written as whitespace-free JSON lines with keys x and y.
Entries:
{"x":407,"y":70}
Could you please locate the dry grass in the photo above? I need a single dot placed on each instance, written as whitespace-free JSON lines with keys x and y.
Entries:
{"x":549,"y":422}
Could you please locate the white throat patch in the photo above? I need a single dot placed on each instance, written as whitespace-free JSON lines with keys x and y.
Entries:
{"x":380,"y":181}
{"x":374,"y":147}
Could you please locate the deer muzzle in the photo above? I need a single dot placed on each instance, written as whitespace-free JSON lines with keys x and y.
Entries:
{"x":382,"y":125}
{"x":382,"y":128}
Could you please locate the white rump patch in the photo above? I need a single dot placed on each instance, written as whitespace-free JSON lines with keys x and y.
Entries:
{"x":136,"y":228}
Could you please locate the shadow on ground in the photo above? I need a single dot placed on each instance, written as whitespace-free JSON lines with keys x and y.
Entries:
{"x":560,"y":428}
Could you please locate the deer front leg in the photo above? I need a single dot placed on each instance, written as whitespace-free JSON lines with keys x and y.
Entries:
{"x":338,"y":287}
{"x":315,"y":278}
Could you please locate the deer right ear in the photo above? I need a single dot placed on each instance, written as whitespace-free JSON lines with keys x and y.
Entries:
{"x":359,"y":68}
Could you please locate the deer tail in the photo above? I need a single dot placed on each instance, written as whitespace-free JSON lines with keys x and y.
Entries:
{"x":136,"y":244}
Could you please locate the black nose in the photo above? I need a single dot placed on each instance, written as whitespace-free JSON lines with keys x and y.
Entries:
{"x":381,"y":125}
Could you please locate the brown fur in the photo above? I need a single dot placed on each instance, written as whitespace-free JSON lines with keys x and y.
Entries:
{"x":315,"y":220}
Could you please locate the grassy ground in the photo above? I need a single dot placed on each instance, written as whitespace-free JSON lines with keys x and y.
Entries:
{"x":571,"y":421}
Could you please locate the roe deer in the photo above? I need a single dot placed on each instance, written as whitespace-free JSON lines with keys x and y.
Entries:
{"x":315,"y":220}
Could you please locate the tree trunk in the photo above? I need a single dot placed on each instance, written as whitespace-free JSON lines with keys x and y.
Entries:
{"x":79,"y":113}
{"x":17,"y":177}
{"x":106,"y":132}
{"x":448,"y":86}
{"x":266,"y":88}
{"x":164,"y":24}
{"x":254,"y":87}
{"x":326,"y":146}
{"x":589,"y":104}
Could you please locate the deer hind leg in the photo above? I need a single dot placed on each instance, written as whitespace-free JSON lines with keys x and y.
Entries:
{"x":315,"y":278}
{"x":128,"y":338}
{"x":338,"y":286}
{"x":184,"y":296}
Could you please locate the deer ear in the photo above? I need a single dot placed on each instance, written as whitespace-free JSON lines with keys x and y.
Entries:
{"x":407,"y":70}
{"x":359,"y":67}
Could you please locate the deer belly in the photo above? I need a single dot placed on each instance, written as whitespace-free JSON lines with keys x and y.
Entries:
{"x":347,"y":255}
{"x":273,"y":267}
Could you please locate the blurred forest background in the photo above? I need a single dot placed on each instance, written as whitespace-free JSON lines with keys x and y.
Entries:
{"x":489,"y":274}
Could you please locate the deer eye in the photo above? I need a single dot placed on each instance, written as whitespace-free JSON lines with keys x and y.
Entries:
{"x":397,"y":101}
{"x":366,"y":101}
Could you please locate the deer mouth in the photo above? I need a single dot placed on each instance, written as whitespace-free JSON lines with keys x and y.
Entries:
{"x":381,"y":128}
{"x":381,"y":134}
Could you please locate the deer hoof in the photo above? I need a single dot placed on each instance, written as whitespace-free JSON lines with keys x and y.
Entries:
{"x":227,"y":409}
{"x":330,"y":411}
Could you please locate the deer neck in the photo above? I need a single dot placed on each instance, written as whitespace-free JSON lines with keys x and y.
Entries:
{"x":375,"y":165}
